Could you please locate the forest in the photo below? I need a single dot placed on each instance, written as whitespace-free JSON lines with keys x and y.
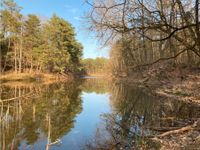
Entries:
{"x":144,"y":95}
{"x":142,"y":33}
{"x":152,"y":43}
{"x":155,"y":45}
{"x":97,"y":66}
{"x":29,"y":44}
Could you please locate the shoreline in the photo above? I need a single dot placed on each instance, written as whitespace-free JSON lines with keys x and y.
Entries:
{"x":43,"y":78}
{"x":178,"y":85}
{"x":169,"y":83}
{"x":163,"y":82}
{"x":33,"y":77}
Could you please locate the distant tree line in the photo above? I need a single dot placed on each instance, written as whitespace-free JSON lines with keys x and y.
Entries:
{"x":29,"y":44}
{"x":98,"y":65}
{"x":145,"y":32}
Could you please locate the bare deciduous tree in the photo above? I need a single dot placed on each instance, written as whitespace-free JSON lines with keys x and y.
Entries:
{"x":155,"y":30}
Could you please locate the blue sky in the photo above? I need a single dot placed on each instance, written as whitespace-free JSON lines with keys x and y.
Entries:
{"x":72,"y":11}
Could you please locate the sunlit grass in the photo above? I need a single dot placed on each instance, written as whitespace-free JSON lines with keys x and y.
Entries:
{"x":29,"y":77}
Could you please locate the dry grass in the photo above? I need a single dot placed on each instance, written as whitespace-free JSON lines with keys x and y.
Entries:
{"x":30,"y":77}
{"x":186,"y":89}
{"x":97,"y":74}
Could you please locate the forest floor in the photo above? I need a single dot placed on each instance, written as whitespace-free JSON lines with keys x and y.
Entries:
{"x":31,"y":77}
{"x":177,"y":83}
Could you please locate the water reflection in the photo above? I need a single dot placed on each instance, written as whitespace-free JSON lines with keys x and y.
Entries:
{"x":60,"y":115}
{"x":37,"y":116}
{"x":138,"y":115}
{"x":48,"y":110}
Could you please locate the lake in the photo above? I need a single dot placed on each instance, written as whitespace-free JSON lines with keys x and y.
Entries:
{"x":88,"y":113}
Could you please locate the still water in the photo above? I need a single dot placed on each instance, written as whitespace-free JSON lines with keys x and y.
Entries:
{"x":85,"y":114}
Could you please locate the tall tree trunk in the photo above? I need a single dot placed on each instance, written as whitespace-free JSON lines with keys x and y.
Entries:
{"x":172,"y":22}
{"x":197,"y":23}
{"x":15,"y":56}
{"x":143,"y":38}
{"x":160,"y":47}
{"x":20,"y":53}
{"x":6,"y":57}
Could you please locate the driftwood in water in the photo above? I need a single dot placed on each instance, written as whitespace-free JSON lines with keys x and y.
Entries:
{"x":56,"y":142}
{"x":195,"y":126}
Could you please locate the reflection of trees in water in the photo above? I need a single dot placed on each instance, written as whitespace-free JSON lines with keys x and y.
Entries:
{"x":26,"y":110}
{"x":25,"y":118}
{"x":97,"y":85}
{"x":138,"y":115}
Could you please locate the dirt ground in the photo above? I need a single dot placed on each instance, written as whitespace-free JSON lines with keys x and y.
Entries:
{"x":173,"y":82}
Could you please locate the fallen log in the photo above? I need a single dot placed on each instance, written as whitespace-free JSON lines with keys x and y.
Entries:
{"x":163,"y":129}
{"x":195,"y":126}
